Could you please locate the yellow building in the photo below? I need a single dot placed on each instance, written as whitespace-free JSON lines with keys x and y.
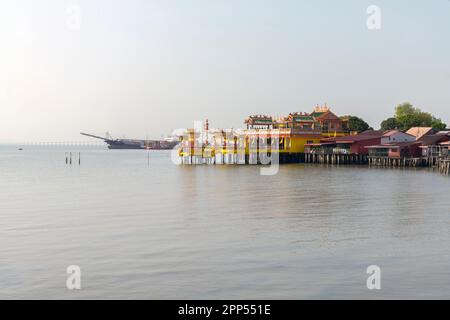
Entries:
{"x":286,"y":136}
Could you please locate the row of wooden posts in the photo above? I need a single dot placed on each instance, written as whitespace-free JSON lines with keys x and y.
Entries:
{"x":336,"y":158}
{"x":442,"y":164}
{"x":69,"y":158}
{"x":398,"y":162}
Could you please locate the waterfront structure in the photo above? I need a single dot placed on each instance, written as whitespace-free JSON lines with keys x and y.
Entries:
{"x":443,"y":165}
{"x":342,"y":150}
{"x":397,"y":150}
{"x":329,"y":123}
{"x":248,"y":145}
{"x":429,"y":149}
{"x":296,"y":130}
{"x":445,"y":148}
{"x":434,"y":145}
{"x":321,"y":119}
{"x":393,"y":136}
{"x":299,"y":129}
{"x":298,"y":120}
{"x":259,"y":122}
{"x":350,"y":144}
{"x":427,"y":146}
{"x":299,"y":137}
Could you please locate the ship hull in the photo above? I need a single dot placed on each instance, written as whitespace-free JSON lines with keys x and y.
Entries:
{"x":147,"y":145}
{"x":135,"y":144}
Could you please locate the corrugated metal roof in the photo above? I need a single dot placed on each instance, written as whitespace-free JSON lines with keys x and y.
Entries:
{"x":433,"y":139}
{"x":419,"y":132}
{"x":359,"y":137}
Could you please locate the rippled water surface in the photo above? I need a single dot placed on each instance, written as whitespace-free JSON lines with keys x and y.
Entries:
{"x":144,"y":228}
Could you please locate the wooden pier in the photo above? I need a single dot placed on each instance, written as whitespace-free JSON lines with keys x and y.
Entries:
{"x":209,"y":156}
{"x":300,"y":145}
{"x":336,"y":158}
{"x":441,"y":163}
{"x":398,"y":162}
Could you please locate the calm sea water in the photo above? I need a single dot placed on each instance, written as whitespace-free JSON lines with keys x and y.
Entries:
{"x":157,"y":231}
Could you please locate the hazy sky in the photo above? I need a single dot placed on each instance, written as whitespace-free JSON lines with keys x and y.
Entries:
{"x":142,"y":68}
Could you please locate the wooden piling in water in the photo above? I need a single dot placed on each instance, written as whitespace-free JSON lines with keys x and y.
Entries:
{"x":335,"y":159}
{"x":224,"y":156}
{"x":444,"y":166}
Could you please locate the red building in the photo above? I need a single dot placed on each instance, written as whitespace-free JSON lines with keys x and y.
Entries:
{"x":352,"y":144}
{"x":396,"y":150}
{"x":434,"y":145}
{"x":328,"y":121}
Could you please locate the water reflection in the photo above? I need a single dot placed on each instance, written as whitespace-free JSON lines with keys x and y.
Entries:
{"x":162,"y":231}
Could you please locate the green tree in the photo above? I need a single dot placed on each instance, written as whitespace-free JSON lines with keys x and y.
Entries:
{"x":406,"y":116}
{"x":389,"y":124}
{"x":356,"y":123}
{"x":437,"y":124}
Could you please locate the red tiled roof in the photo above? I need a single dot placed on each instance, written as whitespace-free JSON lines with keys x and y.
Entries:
{"x":328,"y":115}
{"x":390,"y":133}
{"x":360,"y":137}
{"x":372,"y":132}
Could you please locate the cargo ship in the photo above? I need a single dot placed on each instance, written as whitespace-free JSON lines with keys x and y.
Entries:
{"x":165,"y":144}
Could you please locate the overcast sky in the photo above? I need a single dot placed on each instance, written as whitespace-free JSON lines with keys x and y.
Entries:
{"x":142,"y":68}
